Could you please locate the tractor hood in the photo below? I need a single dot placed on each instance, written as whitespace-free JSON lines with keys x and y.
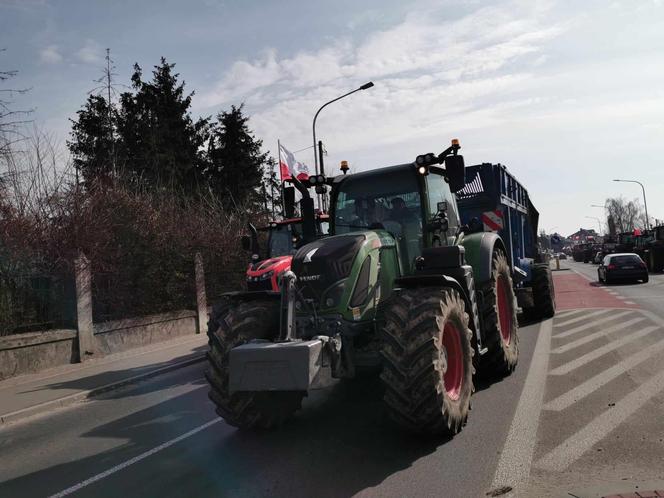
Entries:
{"x":269,"y":263}
{"x":328,"y":260}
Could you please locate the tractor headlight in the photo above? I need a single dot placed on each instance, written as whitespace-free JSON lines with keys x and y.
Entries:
{"x":267,"y":275}
{"x":334,"y":294}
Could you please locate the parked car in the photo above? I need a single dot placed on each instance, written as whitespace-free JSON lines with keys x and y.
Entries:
{"x":622,"y":266}
{"x":561,"y":255}
{"x":599,"y":256}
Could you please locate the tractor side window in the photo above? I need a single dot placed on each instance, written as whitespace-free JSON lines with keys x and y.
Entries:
{"x":439,"y":191}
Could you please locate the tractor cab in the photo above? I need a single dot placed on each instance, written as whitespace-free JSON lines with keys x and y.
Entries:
{"x":408,"y":204}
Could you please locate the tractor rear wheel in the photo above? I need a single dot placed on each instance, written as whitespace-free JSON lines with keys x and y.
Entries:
{"x":428,"y":360}
{"x":232,"y":325}
{"x":544,"y":296}
{"x":499,"y":320}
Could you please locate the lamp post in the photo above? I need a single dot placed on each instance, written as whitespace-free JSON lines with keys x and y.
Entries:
{"x":363,"y":87}
{"x":599,"y":223}
{"x":645,"y":204}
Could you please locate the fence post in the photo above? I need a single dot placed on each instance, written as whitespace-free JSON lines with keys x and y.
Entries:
{"x":86,"y":338}
{"x":201,"y":298}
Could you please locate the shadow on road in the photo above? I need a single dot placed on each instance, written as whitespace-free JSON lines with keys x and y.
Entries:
{"x":111,"y":376}
{"x":340,"y":444}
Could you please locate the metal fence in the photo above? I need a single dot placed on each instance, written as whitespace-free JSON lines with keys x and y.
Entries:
{"x":36,"y":301}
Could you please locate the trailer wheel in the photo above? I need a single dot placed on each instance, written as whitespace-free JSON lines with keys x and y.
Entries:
{"x":544,"y":295}
{"x":499,"y":320}
{"x":231,"y":325}
{"x":427,"y":360}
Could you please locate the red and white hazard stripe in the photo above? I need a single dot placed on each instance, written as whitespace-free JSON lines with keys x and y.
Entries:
{"x":493,"y":220}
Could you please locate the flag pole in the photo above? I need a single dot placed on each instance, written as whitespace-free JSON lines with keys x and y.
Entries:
{"x":281,"y":182}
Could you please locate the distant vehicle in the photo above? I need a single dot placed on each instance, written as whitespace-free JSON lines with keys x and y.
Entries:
{"x":622,"y":266}
{"x":599,"y":256}
{"x":561,"y":255}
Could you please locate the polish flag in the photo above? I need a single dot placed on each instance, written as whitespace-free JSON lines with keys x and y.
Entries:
{"x":289,"y":166}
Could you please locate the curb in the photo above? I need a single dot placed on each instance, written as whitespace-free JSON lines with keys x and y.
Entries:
{"x":90,"y":393}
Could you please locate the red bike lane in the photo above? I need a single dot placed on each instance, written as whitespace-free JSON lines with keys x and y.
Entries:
{"x":574,"y":291}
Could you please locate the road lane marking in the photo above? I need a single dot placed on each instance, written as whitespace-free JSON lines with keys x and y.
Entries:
{"x":591,"y":385}
{"x":584,"y":317}
{"x":517,"y":454}
{"x":577,"y":444}
{"x":591,"y":337}
{"x":599,"y":352}
{"x":134,"y":460}
{"x":568,"y":313}
{"x":591,"y":324}
{"x":630,"y":302}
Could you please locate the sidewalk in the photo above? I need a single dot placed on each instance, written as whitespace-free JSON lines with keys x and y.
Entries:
{"x":28,"y":395}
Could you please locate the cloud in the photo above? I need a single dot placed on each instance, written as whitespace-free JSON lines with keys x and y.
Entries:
{"x":90,"y":53}
{"x":431,"y":73}
{"x":50,"y":55}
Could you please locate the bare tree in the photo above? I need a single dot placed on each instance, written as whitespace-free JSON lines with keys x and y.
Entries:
{"x":11,"y":120}
{"x":108,"y":89}
{"x":627,"y":215}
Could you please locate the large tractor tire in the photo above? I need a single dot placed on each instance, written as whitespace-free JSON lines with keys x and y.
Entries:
{"x":655,"y":262}
{"x":544,"y":296}
{"x":428,"y":360}
{"x":499,"y":320}
{"x":231,"y":325}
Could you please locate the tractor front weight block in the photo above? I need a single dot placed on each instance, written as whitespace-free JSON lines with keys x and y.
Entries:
{"x":280,"y":366}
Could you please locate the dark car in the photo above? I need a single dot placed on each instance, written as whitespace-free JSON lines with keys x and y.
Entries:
{"x":622,"y":266}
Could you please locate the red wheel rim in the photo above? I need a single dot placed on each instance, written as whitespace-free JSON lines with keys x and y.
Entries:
{"x":453,"y":376}
{"x":504,"y":310}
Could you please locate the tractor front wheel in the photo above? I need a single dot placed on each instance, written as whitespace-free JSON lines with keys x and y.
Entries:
{"x":499,"y":320}
{"x":428,"y":360}
{"x":231,"y":325}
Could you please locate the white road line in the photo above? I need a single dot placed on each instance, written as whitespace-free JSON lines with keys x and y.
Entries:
{"x":591,"y":337}
{"x":591,"y":385}
{"x":576,"y":445}
{"x":591,"y":324}
{"x":630,"y":302}
{"x":568,"y":313}
{"x":517,"y":455}
{"x":584,"y":317}
{"x":597,"y":353}
{"x":134,"y":460}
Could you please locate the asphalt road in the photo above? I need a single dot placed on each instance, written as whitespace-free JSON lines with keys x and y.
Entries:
{"x":548,"y":427}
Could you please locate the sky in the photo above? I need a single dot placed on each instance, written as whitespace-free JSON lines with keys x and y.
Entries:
{"x":568,"y":95}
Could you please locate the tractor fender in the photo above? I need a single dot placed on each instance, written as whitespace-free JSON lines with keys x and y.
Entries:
{"x":250,"y":295}
{"x":479,"y":253}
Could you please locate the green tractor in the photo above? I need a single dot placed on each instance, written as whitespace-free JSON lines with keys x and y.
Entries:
{"x":400,"y":288}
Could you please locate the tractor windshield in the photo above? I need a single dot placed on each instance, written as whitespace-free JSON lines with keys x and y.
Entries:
{"x":389,"y":200}
{"x":284,"y":239}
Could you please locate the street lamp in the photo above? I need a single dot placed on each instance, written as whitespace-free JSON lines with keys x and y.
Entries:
{"x":599,"y":223}
{"x":363,"y":87}
{"x":645,"y":204}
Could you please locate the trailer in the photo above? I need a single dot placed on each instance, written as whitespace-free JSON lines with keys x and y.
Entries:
{"x":494,"y":201}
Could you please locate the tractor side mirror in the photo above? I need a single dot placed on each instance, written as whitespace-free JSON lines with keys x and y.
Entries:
{"x":455,"y":171}
{"x":245,"y":240}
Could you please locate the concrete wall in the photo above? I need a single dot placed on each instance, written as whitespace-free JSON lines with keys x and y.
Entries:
{"x":35,"y":351}
{"x":120,"y":335}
